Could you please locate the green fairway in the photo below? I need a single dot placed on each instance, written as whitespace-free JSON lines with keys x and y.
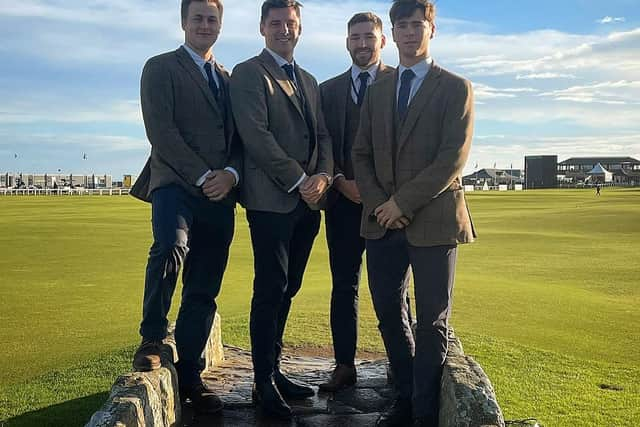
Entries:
{"x":547,"y":300}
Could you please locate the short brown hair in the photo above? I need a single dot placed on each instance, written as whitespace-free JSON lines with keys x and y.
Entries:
{"x":405,"y":8}
{"x":184,"y":7}
{"x":278,"y":4}
{"x":365,"y":17}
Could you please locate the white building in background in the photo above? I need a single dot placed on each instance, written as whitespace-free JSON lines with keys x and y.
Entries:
{"x":54,"y":180}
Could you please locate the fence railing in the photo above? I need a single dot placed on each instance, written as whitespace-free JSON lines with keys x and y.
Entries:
{"x":64,"y":192}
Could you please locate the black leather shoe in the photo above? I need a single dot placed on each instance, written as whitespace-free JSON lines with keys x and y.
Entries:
{"x":397,"y":415}
{"x":267,"y":397}
{"x":202,"y":399}
{"x":291,"y":389}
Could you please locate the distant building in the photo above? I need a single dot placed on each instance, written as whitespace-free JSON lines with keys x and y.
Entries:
{"x":494,"y":177}
{"x":541,"y":171}
{"x":624,"y":170}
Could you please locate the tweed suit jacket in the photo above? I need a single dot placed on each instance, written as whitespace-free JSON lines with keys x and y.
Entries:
{"x":188,"y":131}
{"x":277,"y":130}
{"x":335,"y":93}
{"x":419,"y":161}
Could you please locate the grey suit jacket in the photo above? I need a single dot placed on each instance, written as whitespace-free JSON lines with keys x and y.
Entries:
{"x":419,"y":162}
{"x":335,"y":93}
{"x":189,"y":133}
{"x":274,"y":133}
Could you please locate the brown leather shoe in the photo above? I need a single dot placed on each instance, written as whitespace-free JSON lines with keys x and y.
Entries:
{"x":343,"y":376}
{"x":148,"y":356}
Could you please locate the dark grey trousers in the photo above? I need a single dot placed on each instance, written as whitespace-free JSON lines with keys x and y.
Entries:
{"x":416,"y":363}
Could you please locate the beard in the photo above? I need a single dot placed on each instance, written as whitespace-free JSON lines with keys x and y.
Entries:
{"x":362,"y":57}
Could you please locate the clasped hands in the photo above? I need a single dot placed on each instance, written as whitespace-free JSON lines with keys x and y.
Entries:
{"x":390,"y":216}
{"x":218,"y":184}
{"x":313,"y":187}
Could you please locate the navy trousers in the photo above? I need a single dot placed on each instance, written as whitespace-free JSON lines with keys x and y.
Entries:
{"x":196,"y":233}
{"x":281,"y":247}
{"x":416,"y":362}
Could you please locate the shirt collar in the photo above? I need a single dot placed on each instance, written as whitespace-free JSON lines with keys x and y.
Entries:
{"x":420,"y":69}
{"x":373,"y":71}
{"x":279,"y":59}
{"x":197,"y":58}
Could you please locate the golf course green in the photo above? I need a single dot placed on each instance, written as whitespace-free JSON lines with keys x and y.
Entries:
{"x":547,"y":301}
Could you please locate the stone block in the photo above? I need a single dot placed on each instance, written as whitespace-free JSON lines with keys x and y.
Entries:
{"x":467,"y":398}
{"x":151,"y":399}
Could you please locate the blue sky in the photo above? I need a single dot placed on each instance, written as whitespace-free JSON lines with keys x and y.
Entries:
{"x":550,"y":77}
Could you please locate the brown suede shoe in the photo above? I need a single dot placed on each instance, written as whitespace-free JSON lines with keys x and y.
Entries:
{"x":343,"y":376}
{"x":148,"y":356}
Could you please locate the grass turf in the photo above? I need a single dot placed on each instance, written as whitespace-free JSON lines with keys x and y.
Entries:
{"x":546,"y":300}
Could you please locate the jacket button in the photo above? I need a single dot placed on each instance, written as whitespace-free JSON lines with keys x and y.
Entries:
{"x":220,"y":126}
{"x":306,"y":137}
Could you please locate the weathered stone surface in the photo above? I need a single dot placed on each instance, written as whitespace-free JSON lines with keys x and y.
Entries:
{"x":141,"y":399}
{"x":150,"y":399}
{"x":214,"y":351}
{"x":356,"y":420}
{"x":467,"y":398}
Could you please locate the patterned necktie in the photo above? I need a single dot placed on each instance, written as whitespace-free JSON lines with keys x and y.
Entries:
{"x":405,"y":90}
{"x":212,"y":82}
{"x":364,"y":81}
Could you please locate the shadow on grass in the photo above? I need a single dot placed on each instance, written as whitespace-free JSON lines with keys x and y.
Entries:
{"x":75,"y":412}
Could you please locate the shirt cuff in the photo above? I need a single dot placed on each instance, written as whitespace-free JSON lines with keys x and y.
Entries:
{"x":338,"y":175}
{"x":234,"y":173}
{"x":297,"y":184}
{"x":203,"y":178}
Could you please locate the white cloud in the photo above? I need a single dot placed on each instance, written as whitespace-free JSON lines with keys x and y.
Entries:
{"x":610,"y":19}
{"x":618,"y":92}
{"x":71,"y":111}
{"x":535,"y":76}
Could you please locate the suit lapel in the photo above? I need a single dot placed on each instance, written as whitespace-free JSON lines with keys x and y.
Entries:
{"x":281,"y":79}
{"x":192,"y":69}
{"x":228,"y":117}
{"x":418,"y":102}
{"x":342,"y":88}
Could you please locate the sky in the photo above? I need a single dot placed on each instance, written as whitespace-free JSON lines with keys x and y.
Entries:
{"x":549,"y":77}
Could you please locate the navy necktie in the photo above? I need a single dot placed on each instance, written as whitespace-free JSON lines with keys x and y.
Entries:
{"x":212,"y":82}
{"x":405,"y":89}
{"x":364,"y":81}
{"x":288,"y":68}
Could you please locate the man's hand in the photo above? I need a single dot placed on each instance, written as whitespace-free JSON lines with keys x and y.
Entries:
{"x":348,"y":188}
{"x":313,"y":188}
{"x":218,"y":184}
{"x":388,"y":213}
{"x":400,"y":224}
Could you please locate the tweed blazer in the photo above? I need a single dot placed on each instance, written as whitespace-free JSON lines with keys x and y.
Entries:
{"x":419,"y":161}
{"x":188,"y":131}
{"x":335,"y":93}
{"x":282,"y":136}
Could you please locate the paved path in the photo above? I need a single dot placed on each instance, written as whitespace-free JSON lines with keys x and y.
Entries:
{"x":355,"y":407}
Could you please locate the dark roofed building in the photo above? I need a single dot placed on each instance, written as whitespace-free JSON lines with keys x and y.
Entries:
{"x":493,"y":177}
{"x":625,"y":170}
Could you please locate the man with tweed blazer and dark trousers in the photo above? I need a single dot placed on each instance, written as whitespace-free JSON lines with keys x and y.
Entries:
{"x":189,"y":180}
{"x":342,"y":98}
{"x":414,"y":140}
